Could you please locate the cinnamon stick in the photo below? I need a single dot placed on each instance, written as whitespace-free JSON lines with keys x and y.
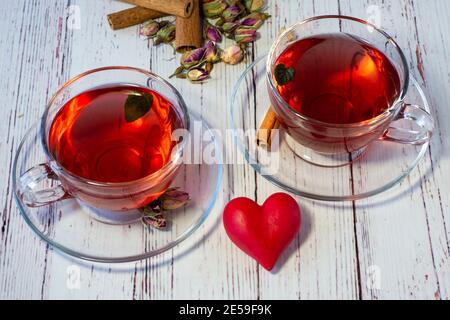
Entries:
{"x":133,"y":16}
{"x":180,"y":8}
{"x":188,"y":31}
{"x":267,"y":129}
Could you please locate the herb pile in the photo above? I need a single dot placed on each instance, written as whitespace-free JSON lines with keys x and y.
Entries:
{"x":237,"y":20}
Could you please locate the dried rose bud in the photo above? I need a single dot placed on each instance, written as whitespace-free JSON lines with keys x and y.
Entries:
{"x":176,"y":193}
{"x":165,"y":34}
{"x":149,"y":29}
{"x":228,"y":27}
{"x":254,"y":20}
{"x":173,"y":199}
{"x":192,"y":58}
{"x":233,"y":55}
{"x":213,"y":9}
{"x":231,"y":13}
{"x":212,"y":53}
{"x":197,"y":75}
{"x":245,"y":35}
{"x":152,"y":216}
{"x":219,"y":22}
{"x":254,"y":5}
{"x":156,"y":221}
{"x":212,"y":33}
{"x":209,"y":67}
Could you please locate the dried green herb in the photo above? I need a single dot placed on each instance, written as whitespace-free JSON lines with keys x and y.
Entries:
{"x":283,"y":75}
{"x":137,"y":105}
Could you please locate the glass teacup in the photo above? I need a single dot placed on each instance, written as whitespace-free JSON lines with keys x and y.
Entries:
{"x":334,"y":144}
{"x":121,"y":197}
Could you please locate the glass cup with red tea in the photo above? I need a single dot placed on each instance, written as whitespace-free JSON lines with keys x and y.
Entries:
{"x":337,"y":84}
{"x":108,"y":143}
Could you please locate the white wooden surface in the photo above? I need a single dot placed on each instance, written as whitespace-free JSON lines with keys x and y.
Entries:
{"x":403,"y":234}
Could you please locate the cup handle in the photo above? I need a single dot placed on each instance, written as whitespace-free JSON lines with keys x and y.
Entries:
{"x":29,"y":190}
{"x":419,"y":117}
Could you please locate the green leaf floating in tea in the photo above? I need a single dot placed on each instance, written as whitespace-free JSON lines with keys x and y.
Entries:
{"x":137,"y":105}
{"x":283,"y":75}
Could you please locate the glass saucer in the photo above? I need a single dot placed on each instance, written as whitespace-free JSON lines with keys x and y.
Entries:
{"x":381,"y":166}
{"x":67,"y":226}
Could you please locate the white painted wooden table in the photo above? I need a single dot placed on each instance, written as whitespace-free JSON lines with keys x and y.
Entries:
{"x":403,"y":234}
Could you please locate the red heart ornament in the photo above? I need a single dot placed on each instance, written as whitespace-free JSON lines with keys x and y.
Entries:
{"x":263,"y":232}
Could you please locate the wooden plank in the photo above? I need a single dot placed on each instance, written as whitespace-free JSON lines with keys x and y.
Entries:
{"x":105,"y":47}
{"x":432,"y":53}
{"x":402,"y":233}
{"x":33,"y":65}
{"x":321,"y":263}
{"x":215,"y":259}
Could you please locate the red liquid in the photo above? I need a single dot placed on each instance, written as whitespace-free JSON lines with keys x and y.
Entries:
{"x":91,"y":138}
{"x":338,"y":79}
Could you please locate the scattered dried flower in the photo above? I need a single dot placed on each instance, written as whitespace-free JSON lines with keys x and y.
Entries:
{"x":244,"y":35}
{"x":212,"y":53}
{"x":157,"y":221}
{"x":173,"y":199}
{"x":232,"y":12}
{"x":229,"y":27}
{"x":165,"y":35}
{"x":150,"y":28}
{"x":152,"y":214}
{"x":212,"y":33}
{"x":192,"y":58}
{"x":213,"y":9}
{"x":254,"y":20}
{"x":254,"y":5}
{"x":233,"y":55}
{"x":197,"y":75}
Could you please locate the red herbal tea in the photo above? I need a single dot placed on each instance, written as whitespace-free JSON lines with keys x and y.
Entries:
{"x":338,"y":79}
{"x":94,"y":136}
{"x":334,"y":78}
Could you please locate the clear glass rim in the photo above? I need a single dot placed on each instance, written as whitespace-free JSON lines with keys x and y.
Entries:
{"x":314,"y":196}
{"x":381,"y":117}
{"x":93,"y":258}
{"x":168,"y":167}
